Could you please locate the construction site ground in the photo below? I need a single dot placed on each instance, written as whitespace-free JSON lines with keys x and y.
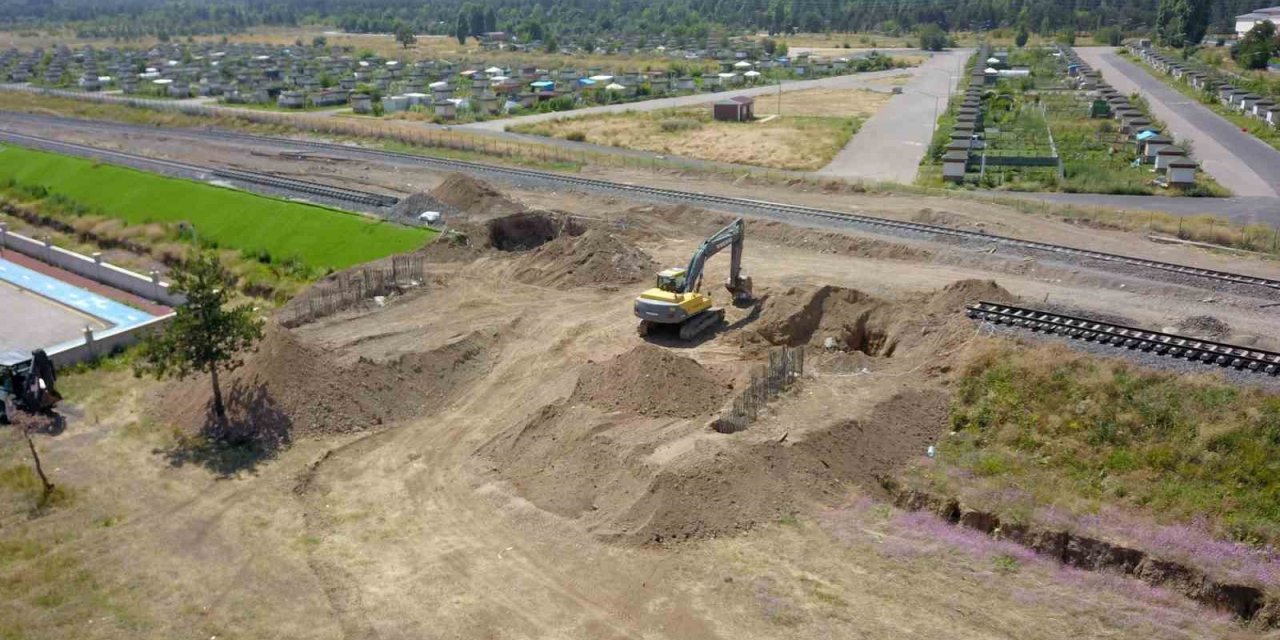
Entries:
{"x":497,"y":454}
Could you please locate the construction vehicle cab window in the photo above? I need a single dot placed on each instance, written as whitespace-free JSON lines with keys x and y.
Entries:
{"x":676,"y":304}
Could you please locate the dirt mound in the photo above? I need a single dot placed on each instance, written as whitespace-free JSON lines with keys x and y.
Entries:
{"x":1204,"y":327}
{"x":954,"y":297}
{"x":595,"y":257}
{"x":288,"y":388}
{"x":846,"y":320}
{"x":651,"y":381}
{"x":415,"y":205}
{"x":825,"y":314}
{"x":646,"y":480}
{"x":473,"y":197}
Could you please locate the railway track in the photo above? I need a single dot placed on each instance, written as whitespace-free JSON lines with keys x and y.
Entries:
{"x":181,"y":168}
{"x":760,"y":208}
{"x":1120,"y":336}
{"x":770,"y":209}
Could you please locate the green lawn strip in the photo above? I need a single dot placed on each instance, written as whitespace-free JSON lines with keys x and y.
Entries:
{"x":1077,"y":431}
{"x":318,"y":236}
{"x":1257,"y":128}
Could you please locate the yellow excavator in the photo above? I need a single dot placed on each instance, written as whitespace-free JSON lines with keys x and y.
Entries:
{"x":676,"y":302}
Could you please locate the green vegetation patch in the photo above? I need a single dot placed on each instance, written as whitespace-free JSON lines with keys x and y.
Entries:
{"x":1073,"y":429}
{"x":318,"y":236}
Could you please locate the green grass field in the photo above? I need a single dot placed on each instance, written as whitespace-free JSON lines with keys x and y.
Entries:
{"x":318,"y":236}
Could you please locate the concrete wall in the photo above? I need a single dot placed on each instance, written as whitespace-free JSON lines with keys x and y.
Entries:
{"x":103,"y":343}
{"x":93,"y":268}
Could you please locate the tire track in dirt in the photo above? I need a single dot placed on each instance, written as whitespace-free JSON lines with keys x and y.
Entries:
{"x":340,"y":587}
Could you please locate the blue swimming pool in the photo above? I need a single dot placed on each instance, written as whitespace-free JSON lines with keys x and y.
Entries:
{"x":108,"y":310}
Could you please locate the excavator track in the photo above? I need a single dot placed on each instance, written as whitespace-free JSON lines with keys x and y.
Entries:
{"x":695,"y":326}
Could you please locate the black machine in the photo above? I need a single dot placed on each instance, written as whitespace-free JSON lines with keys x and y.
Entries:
{"x":26,"y":384}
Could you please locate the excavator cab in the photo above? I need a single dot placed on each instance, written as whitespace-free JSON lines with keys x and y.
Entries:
{"x":671,"y":280}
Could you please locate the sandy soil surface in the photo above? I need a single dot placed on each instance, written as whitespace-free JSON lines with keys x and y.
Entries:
{"x":497,"y":454}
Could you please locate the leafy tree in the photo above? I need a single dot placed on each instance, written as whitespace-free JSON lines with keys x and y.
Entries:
{"x":1108,"y":36}
{"x":932,"y":37}
{"x":1256,"y":47}
{"x":490,"y":20}
{"x":1020,"y":39}
{"x":769,"y":45}
{"x":475,"y":17}
{"x":778,"y":19}
{"x":207,"y":334}
{"x":404,"y":35}
{"x":319,"y":42}
{"x":551,"y":45}
{"x":463,"y":28}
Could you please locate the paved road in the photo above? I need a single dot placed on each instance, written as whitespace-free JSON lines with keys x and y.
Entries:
{"x":1237,"y":160}
{"x":852,"y":81}
{"x":891,"y":144}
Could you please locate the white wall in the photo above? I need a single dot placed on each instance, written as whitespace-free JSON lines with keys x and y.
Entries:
{"x":148,"y":286}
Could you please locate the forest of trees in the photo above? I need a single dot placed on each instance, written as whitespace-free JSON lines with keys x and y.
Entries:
{"x":582,"y":18}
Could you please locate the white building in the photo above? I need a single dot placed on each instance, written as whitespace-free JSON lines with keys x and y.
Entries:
{"x":1247,"y":21}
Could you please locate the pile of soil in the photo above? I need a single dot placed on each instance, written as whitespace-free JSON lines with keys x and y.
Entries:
{"x":1204,"y":327}
{"x":288,"y":388}
{"x":647,"y":481}
{"x":474,"y":197}
{"x":803,"y":316}
{"x":596,"y":257}
{"x":953,"y":298}
{"x":415,"y":205}
{"x":847,"y":320}
{"x":651,"y":381}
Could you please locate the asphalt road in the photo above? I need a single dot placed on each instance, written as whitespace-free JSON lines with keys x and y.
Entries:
{"x":851,"y":81}
{"x":1237,"y":160}
{"x":889,"y":146}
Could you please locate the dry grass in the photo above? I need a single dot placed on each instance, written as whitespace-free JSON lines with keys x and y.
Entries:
{"x":787,"y":142}
{"x":813,"y":126}
{"x":831,"y":103}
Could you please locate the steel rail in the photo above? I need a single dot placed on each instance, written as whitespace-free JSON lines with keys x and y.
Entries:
{"x":1206,"y":352}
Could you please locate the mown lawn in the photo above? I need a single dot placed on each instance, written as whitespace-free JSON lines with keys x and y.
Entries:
{"x":318,"y":236}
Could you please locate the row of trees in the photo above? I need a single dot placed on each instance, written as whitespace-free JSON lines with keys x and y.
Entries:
{"x":579,"y":18}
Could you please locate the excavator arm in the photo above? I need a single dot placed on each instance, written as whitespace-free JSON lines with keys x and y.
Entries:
{"x":732,"y":236}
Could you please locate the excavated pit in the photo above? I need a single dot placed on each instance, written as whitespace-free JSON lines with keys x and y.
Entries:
{"x":528,"y":230}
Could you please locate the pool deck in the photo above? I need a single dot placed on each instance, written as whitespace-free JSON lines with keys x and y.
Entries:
{"x":42,"y":306}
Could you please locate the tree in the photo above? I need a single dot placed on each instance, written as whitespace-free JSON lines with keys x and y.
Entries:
{"x":1256,"y":47}
{"x":932,"y":37}
{"x":551,"y":45}
{"x":1021,"y":38}
{"x":463,"y":28}
{"x":475,"y":16}
{"x":1108,"y":36}
{"x":207,"y":333}
{"x":490,"y":20}
{"x":404,"y":35}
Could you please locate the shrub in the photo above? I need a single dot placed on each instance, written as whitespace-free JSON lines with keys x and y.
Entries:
{"x":680,"y":124}
{"x":576,"y":136}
